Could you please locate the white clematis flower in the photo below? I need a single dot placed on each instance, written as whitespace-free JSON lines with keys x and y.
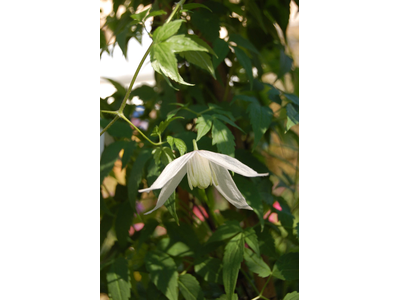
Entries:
{"x":203,"y":168}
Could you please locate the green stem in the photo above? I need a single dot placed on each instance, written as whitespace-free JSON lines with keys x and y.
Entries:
{"x":192,"y":111}
{"x":195,"y":145}
{"x":249,"y":280}
{"x":109,"y":124}
{"x":122,"y":116}
{"x":119,"y":113}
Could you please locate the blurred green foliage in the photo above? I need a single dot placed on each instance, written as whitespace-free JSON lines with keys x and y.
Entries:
{"x":226,"y":77}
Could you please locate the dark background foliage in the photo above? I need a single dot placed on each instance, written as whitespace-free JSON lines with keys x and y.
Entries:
{"x":244,"y":103}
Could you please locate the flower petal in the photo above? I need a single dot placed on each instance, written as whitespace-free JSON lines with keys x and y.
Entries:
{"x":227,"y":187}
{"x":168,"y":189}
{"x":230,"y":163}
{"x":169,"y":172}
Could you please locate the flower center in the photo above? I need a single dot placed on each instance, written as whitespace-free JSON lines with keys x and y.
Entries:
{"x":200,"y":172}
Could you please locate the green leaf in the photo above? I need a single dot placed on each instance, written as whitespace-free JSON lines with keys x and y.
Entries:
{"x":180,"y":43}
{"x":225,"y":231}
{"x":119,"y":129}
{"x":292,"y":116}
{"x":266,"y":243}
{"x":292,"y":98}
{"x":227,"y":120}
{"x":123,"y":221}
{"x":256,"y":264}
{"x":156,"y":13}
{"x":297,"y":230}
{"x":163,"y":125}
{"x":233,"y":257}
{"x":285,"y":64}
{"x":223,"y":138}
{"x":199,"y":41}
{"x":274,"y":95}
{"x":167,"y":30}
{"x":287,"y":267}
{"x":166,"y":62}
{"x":194,"y":5}
{"x":207,"y":23}
{"x":170,"y":204}
{"x":292,"y":296}
{"x":251,"y":239}
{"x":136,"y":174}
{"x":203,"y":126}
{"x":260,"y":117}
{"x":163,"y":272}
{"x":242,"y":42}
{"x":221,"y":49}
{"x":140,"y":16}
{"x":245,"y":61}
{"x":252,"y":196}
{"x":190,"y":287}
{"x":209,"y":268}
{"x":200,"y":59}
{"x":118,"y":280}
{"x":180,"y":145}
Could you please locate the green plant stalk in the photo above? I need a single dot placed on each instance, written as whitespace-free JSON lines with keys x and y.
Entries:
{"x":109,"y":124}
{"x":119,"y":113}
{"x":122,"y":116}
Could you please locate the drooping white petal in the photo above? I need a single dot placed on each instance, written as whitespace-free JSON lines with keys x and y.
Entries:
{"x":230,"y":163}
{"x":168,"y":189}
{"x":227,"y":187}
{"x":169,"y":172}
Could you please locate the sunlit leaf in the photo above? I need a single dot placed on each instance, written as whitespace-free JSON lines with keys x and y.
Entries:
{"x":190,"y":287}
{"x":233,"y":256}
{"x":118,"y":280}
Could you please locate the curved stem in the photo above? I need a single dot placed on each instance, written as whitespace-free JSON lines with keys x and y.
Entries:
{"x":138,"y":130}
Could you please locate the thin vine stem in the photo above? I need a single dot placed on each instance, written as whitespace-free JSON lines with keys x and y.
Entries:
{"x":119,"y":112}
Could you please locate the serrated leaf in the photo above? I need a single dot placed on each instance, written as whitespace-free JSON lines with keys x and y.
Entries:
{"x":251,"y":239}
{"x":256,"y":264}
{"x":209,"y":268}
{"x":245,"y":61}
{"x":203,"y":126}
{"x":167,"y":30}
{"x":167,"y":62}
{"x":201,"y":42}
{"x":260,"y":119}
{"x":287,"y":267}
{"x":194,"y":5}
{"x":135,"y":176}
{"x":227,"y":120}
{"x":200,"y":59}
{"x":292,"y":296}
{"x":170,"y":141}
{"x":118,"y":280}
{"x":180,"y":145}
{"x":274,"y":95}
{"x":163,"y":272}
{"x":233,"y":256}
{"x":242,"y":42}
{"x":123,"y":221}
{"x":223,"y":138}
{"x":181,"y":43}
{"x":190,"y":287}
